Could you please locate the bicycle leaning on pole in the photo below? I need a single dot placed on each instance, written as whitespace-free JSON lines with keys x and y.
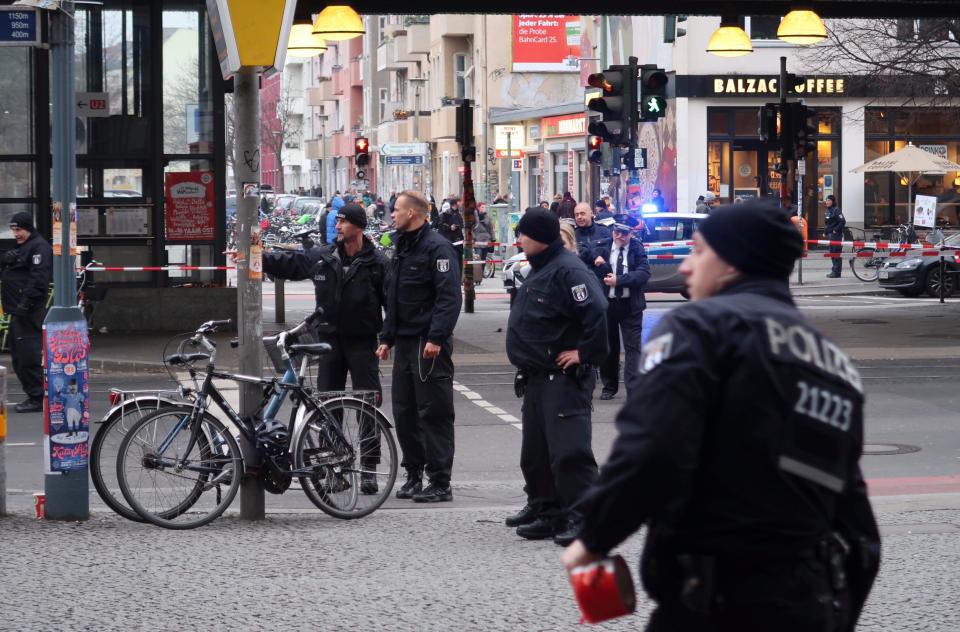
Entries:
{"x":180,"y":467}
{"x":868,"y":259}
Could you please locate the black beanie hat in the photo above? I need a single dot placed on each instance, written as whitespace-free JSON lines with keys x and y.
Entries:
{"x":354,"y":214}
{"x":22,"y":220}
{"x":756,"y":237}
{"x":540,"y":225}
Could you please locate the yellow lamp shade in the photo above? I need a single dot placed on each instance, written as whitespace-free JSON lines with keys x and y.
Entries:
{"x":303,"y":43}
{"x":801,"y":27}
{"x":729,"y":41}
{"x":338,"y":22}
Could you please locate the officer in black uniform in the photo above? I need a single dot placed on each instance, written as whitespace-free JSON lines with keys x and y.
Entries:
{"x":740,"y":450}
{"x":349,"y":280}
{"x":423,"y":305}
{"x":833,"y":224}
{"x":27,"y":273}
{"x":557,"y":330}
{"x":590,"y":234}
{"x":622,"y":266}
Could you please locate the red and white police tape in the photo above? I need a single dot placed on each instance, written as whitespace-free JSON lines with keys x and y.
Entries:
{"x":155,"y":268}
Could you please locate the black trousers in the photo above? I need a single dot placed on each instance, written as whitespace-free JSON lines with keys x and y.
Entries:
{"x":356,"y":355}
{"x":556,"y":456}
{"x":423,"y":408}
{"x":837,"y":262}
{"x":621,"y":321}
{"x":26,"y":340}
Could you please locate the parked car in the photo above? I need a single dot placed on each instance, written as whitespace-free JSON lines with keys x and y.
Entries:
{"x":283,"y":203}
{"x":297,"y":206}
{"x":914,"y":275}
{"x":657,"y":228}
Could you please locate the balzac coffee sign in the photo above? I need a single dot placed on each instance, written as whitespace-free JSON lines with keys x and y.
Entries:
{"x":754,"y":85}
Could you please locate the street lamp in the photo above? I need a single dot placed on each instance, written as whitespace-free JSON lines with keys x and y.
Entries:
{"x":730,"y":40}
{"x":338,"y":22}
{"x":801,"y":26}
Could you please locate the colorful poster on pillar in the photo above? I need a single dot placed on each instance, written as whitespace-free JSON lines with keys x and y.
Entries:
{"x":189,"y":211}
{"x":66,"y":410}
{"x":546,"y":43}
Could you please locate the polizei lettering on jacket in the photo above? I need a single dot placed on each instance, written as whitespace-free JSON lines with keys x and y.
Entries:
{"x":798,"y":342}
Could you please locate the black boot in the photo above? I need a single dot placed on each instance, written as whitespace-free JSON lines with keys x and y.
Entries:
{"x":413,"y":485}
{"x":569,"y":533}
{"x":542,"y":528}
{"x":368,"y":483}
{"x":29,"y":406}
{"x":434,"y":493}
{"x":525,"y":516}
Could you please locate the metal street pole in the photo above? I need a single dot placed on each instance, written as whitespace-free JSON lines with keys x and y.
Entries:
{"x":510,"y":170}
{"x":65,"y":481}
{"x":249,"y":274}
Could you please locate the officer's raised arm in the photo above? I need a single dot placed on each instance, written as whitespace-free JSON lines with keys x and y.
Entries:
{"x":446,"y":278}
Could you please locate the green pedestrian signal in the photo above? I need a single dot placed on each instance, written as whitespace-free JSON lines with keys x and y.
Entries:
{"x":653,"y":92}
{"x":654,"y":106}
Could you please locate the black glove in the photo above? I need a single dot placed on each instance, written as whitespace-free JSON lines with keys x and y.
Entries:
{"x":9,"y":258}
{"x":520,"y":384}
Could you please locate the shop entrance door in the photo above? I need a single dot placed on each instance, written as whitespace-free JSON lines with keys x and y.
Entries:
{"x":751,"y":177}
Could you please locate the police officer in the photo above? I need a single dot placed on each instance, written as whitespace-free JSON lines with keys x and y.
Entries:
{"x":622,"y":266}
{"x":27,"y":273}
{"x":349,"y":280}
{"x":423,"y":305}
{"x":740,"y":450}
{"x":557,"y":329}
{"x":833,"y":224}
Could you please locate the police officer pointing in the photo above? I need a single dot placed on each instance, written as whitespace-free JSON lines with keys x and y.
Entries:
{"x":740,"y":450}
{"x":557,"y":329}
{"x":27,"y":272}
{"x":423,"y":305}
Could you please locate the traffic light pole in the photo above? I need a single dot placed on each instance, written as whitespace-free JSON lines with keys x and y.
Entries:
{"x":788,"y":178}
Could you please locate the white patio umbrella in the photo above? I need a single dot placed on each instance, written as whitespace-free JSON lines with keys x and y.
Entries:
{"x":911,"y":162}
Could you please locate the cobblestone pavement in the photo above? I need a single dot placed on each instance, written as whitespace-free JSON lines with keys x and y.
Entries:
{"x":401,"y":569}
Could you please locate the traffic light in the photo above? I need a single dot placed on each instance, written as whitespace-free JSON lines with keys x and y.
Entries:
{"x":769,"y":123}
{"x":617,"y":104}
{"x":464,"y":133}
{"x":788,"y":137}
{"x":804,"y":127}
{"x":670,"y":29}
{"x":653,"y":92}
{"x":595,"y":149}
{"x":361,"y":153}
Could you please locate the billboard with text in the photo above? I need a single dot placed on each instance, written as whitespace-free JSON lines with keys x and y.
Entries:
{"x":545,"y":43}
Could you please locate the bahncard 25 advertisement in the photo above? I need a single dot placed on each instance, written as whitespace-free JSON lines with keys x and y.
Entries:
{"x":67,"y":415}
{"x":545,"y":43}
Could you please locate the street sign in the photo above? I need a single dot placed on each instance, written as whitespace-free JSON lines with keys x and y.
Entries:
{"x":514,"y":153}
{"x":93,"y":104}
{"x":19,"y":27}
{"x":404,"y":160}
{"x":403,"y":149}
{"x":509,"y":137}
{"x":518,"y":164}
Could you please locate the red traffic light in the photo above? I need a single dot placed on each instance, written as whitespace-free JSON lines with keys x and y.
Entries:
{"x":362,"y":145}
{"x":594,"y":142}
{"x":599,"y":80}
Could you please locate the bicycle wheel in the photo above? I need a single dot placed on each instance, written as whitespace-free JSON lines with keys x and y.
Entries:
{"x":866,"y":268}
{"x":352,"y":456}
{"x":106,"y":446}
{"x":489,"y":269}
{"x":167,"y":485}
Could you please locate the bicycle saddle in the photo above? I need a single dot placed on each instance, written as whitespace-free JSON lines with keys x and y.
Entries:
{"x":186,"y":358}
{"x":313,"y":348}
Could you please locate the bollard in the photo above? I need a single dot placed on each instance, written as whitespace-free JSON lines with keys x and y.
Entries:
{"x":943,"y":273}
{"x":3,"y":440}
{"x":279,"y":302}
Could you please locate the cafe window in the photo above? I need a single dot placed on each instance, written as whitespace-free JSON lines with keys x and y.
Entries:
{"x":763,"y":27}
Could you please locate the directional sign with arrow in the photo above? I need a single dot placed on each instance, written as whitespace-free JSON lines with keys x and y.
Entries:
{"x":92,"y":104}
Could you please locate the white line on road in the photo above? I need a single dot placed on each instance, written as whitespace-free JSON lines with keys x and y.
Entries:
{"x":20,"y":445}
{"x":477,"y":399}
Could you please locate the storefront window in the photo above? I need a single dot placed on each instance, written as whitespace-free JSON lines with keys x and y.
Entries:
{"x":16,"y":180}
{"x":16,"y":124}
{"x":718,"y":122}
{"x":187,"y":99}
{"x":535,"y":174}
{"x":747,"y":122}
{"x":581,"y":176}
{"x":561,"y":178}
{"x":718,"y":170}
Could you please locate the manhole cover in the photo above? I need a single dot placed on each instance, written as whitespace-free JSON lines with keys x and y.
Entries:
{"x":885,"y":449}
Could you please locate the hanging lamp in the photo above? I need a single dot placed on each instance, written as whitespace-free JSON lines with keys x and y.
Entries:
{"x":730,"y":40}
{"x":802,"y":26}
{"x":338,"y":22}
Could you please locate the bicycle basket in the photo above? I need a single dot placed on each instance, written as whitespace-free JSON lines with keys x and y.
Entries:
{"x":270,"y":344}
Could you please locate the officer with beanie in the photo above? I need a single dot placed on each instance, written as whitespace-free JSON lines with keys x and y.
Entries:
{"x":349,"y":279}
{"x":27,"y":271}
{"x":556,"y":334}
{"x":740,"y":450}
{"x":833,"y":224}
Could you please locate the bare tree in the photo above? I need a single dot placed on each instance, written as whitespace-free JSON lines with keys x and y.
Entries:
{"x":285,"y":127}
{"x":918,"y":61}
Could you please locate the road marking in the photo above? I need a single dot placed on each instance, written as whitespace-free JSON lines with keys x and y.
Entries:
{"x":477,"y":399}
{"x":21,"y":445}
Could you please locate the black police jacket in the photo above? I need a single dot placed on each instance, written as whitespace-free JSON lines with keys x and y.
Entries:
{"x":638,"y":271}
{"x":423,"y":295}
{"x":352,"y":301}
{"x":833,"y":223}
{"x":560,"y":307}
{"x":589,"y":239}
{"x":27,"y":274}
{"x":741,"y":440}
{"x":446,"y":222}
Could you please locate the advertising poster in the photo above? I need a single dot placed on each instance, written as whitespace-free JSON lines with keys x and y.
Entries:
{"x":58,"y":228}
{"x":189,"y":206}
{"x":543,"y":43}
{"x":67,"y":416}
{"x":925,"y":211}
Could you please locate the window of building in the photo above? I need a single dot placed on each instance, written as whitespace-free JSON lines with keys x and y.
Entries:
{"x":763,"y":27}
{"x":382,"y":100}
{"x":187,"y":98}
{"x":382,"y":29}
{"x":561,"y":175}
{"x":461,"y":82}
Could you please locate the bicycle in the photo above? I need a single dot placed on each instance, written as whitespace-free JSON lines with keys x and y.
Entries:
{"x":340,"y":449}
{"x":867,"y":260}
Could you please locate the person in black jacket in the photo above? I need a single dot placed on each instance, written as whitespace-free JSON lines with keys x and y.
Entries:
{"x":423,"y":305}
{"x":740,"y":449}
{"x":590,"y":234}
{"x":622,"y":266}
{"x":450,"y":225}
{"x":349,"y":280}
{"x":557,"y":330}
{"x":26,"y":277}
{"x":833,"y":224}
